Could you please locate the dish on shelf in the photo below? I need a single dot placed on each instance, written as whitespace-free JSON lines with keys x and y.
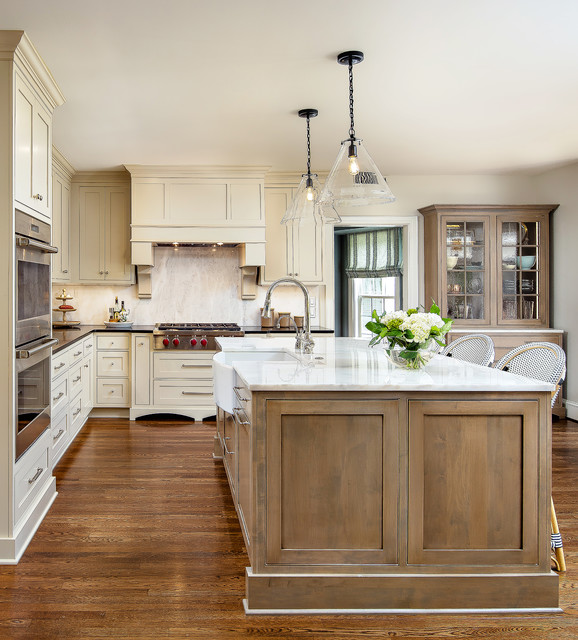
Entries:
{"x":525,"y":262}
{"x":451,"y":261}
{"x":507,"y":265}
{"x":117,"y":325}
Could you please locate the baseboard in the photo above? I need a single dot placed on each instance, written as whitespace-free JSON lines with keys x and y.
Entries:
{"x":571,"y":409}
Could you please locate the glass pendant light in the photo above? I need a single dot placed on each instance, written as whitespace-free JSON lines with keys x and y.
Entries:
{"x":306,"y":203}
{"x":354,"y":178}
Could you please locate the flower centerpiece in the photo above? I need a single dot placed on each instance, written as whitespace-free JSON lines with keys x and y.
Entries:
{"x":413,"y":337}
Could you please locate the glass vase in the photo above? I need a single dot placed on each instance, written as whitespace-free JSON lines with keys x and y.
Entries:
{"x":412,"y":359}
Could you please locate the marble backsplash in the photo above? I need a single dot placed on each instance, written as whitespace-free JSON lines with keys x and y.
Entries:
{"x":189,"y":284}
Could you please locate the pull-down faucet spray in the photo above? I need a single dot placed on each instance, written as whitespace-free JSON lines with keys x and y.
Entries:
{"x":304,"y":341}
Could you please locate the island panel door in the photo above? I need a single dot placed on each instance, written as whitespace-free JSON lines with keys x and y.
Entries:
{"x":332,"y":482}
{"x":475,"y":490}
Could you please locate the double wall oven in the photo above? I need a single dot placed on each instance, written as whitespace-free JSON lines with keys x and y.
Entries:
{"x":33,"y":331}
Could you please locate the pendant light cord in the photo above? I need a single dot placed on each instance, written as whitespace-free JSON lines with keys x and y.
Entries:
{"x":352,"y":125}
{"x":308,"y":150}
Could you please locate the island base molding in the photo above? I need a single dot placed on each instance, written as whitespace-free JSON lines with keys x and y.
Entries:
{"x":299,"y":594}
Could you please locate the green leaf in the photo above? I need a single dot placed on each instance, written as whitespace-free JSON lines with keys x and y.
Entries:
{"x":434,"y":308}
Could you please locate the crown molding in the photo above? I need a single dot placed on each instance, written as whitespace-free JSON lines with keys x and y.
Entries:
{"x":196,"y":171}
{"x":101,"y":177}
{"x":61,"y":164}
{"x":16,"y":45}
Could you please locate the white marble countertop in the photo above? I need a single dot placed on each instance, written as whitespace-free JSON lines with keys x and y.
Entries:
{"x":348,"y":364}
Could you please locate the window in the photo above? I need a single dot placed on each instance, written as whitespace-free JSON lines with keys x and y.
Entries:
{"x":381,"y":294}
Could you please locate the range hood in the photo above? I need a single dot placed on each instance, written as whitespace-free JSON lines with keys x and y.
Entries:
{"x":197,"y":206}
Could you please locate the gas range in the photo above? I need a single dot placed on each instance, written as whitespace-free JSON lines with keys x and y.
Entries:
{"x":187,"y":336}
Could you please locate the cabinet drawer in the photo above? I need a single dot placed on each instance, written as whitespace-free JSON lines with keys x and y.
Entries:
{"x":59,"y":363}
{"x":32,"y":471}
{"x":59,"y":394}
{"x":113,"y":342}
{"x":167,"y":366}
{"x":76,"y":353}
{"x":112,"y":392}
{"x":182,"y":394}
{"x":112,"y":363}
{"x":76,"y":415}
{"x":88,"y":345}
{"x":75,"y":380}
{"x":60,"y":431}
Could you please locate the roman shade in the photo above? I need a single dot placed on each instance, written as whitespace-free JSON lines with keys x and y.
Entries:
{"x":375,"y":253}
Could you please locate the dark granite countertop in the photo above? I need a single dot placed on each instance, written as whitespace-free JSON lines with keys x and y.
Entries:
{"x":258,"y":329}
{"x":69,"y":336}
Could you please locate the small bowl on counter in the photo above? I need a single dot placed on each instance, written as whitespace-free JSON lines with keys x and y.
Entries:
{"x":117,"y":325}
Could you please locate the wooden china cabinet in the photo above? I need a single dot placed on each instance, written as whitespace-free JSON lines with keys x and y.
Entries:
{"x":487,"y":267}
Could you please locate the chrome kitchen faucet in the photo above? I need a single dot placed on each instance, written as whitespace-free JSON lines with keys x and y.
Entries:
{"x":303,"y":341}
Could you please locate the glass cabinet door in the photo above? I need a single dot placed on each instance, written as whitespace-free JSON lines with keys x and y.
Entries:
{"x":521,"y":280}
{"x":465,"y":270}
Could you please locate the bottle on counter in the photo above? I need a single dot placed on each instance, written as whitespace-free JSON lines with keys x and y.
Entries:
{"x":116,"y":309}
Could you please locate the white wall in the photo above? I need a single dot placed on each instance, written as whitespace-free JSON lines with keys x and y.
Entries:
{"x":561,"y":186}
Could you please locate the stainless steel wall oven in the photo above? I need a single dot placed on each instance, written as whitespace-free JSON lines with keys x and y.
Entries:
{"x":33,"y":329}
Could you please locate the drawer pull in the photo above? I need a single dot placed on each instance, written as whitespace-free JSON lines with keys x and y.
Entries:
{"x":55,"y":438}
{"x":58,"y":396}
{"x":193,"y":393}
{"x":189,"y":366}
{"x":237,"y":419}
{"x":76,"y":413}
{"x":77,"y":379}
{"x":62,"y":364}
{"x":78,"y":353}
{"x":37,"y":475}
{"x":239,"y":396}
{"x":229,"y":453}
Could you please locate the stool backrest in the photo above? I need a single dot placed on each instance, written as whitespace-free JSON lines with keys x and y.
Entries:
{"x":474,"y":347}
{"x":539,"y":360}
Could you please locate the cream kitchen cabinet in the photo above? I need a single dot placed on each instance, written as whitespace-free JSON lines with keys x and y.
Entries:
{"x":112,"y":370}
{"x":291,"y":250}
{"x":72,"y":393}
{"x":178,"y":382}
{"x":61,"y":189}
{"x":103,"y":233}
{"x":33,"y":150}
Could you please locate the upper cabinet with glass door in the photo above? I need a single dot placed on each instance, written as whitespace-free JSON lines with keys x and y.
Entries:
{"x":522,"y":285}
{"x":466,"y":269}
{"x":487,"y":266}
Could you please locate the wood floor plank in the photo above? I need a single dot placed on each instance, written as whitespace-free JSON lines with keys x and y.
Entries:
{"x":143,"y":542}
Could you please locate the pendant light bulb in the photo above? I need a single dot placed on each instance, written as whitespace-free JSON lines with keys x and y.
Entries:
{"x":305,"y":206}
{"x":353,"y":166}
{"x":310,"y":190}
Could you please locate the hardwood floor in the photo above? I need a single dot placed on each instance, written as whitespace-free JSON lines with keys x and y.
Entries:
{"x":143,"y":542}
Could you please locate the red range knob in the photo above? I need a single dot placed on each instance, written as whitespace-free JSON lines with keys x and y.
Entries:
{"x":176,"y":342}
{"x":204,"y":342}
{"x":193,"y":342}
{"x":166,"y":342}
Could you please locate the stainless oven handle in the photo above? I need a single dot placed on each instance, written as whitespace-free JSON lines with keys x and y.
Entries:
{"x":28,"y":242}
{"x":26,"y":353}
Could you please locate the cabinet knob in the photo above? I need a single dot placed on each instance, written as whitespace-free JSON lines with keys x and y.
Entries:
{"x":38,"y":196}
{"x":106,"y":272}
{"x":101,"y":272}
{"x":65,"y":271}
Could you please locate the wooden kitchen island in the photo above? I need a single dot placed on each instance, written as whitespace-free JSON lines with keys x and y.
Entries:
{"x":364,"y":488}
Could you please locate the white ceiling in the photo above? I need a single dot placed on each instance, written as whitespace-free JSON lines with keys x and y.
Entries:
{"x":447,"y":86}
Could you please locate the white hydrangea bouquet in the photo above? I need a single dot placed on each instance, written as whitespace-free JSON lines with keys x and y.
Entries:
{"x":413,"y":337}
